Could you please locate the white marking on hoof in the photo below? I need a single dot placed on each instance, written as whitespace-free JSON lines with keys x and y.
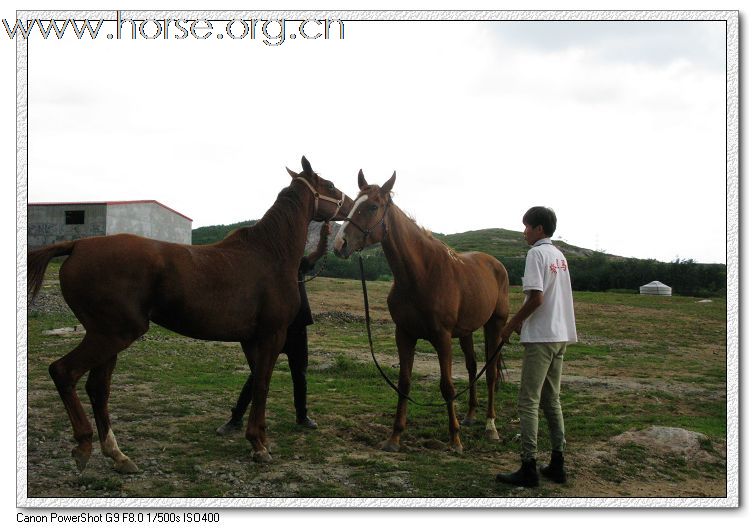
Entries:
{"x":125,"y":466}
{"x":490,"y":430}
{"x":110,"y":449}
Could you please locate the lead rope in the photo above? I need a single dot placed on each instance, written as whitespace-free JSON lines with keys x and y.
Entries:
{"x":315,"y":275}
{"x":387,"y":380}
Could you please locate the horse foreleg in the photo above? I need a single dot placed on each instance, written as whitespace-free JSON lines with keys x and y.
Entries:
{"x":98,"y":389}
{"x":492,"y":339}
{"x":442,"y":345}
{"x":467,"y":346}
{"x":406,"y":345}
{"x":263,"y":357}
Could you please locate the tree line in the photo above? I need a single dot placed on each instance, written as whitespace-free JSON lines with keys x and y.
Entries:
{"x":597,"y":272}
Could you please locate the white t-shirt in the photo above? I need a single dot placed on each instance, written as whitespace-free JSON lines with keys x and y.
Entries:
{"x":546,"y":270}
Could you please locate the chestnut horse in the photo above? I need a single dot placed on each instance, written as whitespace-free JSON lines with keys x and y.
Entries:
{"x":437,"y":295}
{"x":243,"y":288}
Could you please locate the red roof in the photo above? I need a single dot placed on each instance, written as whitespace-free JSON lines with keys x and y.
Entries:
{"x":123,"y":202}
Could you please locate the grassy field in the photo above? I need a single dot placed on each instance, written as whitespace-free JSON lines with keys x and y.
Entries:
{"x":641,"y":362}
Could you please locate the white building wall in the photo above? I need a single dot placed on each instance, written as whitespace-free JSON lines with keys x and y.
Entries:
{"x":148,"y":219}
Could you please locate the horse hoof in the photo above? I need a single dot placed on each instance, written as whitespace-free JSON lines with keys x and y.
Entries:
{"x":390,"y":447}
{"x":468,"y":421}
{"x":492,"y":435}
{"x":126,"y":466}
{"x":262,"y":457}
{"x":456,"y":448}
{"x":81,"y":457}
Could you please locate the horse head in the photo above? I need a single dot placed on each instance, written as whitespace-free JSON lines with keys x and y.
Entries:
{"x":330,"y":202}
{"x":365,"y":223}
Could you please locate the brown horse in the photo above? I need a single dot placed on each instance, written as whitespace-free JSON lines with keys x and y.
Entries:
{"x":437,"y":294}
{"x":243,"y":288}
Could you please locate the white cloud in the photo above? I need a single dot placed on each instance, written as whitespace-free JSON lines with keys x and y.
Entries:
{"x":480,"y":121}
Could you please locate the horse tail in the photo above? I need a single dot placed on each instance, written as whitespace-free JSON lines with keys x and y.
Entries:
{"x":36,"y":264}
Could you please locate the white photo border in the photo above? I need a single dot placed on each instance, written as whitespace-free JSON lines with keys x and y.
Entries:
{"x":732,"y":250}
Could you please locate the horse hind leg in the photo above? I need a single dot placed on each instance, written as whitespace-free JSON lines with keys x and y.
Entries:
{"x":467,"y":346}
{"x":66,"y":372}
{"x":65,"y":377}
{"x":261,"y":356}
{"x":98,"y":389}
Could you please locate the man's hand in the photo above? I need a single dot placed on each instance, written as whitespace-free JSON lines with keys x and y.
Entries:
{"x":507,"y":331}
{"x":534,"y":300}
{"x":322,"y":244}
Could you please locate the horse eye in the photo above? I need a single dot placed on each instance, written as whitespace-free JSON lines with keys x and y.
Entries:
{"x":331,"y":186}
{"x":373,"y":208}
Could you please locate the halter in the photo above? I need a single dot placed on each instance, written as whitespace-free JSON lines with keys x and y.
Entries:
{"x":318,"y":196}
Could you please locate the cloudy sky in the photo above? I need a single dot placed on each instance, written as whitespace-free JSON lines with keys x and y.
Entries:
{"x":617,"y":125}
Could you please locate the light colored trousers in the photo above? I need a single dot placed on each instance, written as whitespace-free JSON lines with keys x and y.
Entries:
{"x":540,"y":388}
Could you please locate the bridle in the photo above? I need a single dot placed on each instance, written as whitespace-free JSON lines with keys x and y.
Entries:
{"x":319,"y":197}
{"x":367,"y":232}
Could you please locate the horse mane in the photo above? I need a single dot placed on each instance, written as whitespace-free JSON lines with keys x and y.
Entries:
{"x":423,"y":230}
{"x":272,"y":230}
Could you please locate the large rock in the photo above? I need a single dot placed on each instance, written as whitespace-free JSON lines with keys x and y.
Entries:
{"x":666,"y":440}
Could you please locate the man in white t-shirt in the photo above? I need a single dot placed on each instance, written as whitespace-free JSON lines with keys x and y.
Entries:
{"x":545,"y":323}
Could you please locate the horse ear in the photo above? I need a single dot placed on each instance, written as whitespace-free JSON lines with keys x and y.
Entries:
{"x":361,"y":181}
{"x":306,"y":166}
{"x":387,"y":186}
{"x":292,"y":173}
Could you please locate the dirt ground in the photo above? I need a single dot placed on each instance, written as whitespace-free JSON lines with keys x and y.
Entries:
{"x":590,"y":469}
{"x":634,"y":464}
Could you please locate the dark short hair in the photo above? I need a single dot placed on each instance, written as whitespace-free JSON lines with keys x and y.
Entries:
{"x":543,"y":216}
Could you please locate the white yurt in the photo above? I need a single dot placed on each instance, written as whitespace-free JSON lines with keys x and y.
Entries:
{"x":655,"y":288}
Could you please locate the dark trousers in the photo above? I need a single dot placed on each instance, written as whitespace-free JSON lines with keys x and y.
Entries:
{"x":297,"y":351}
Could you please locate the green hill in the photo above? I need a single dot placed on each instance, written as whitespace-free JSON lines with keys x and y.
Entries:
{"x":590,"y":270}
{"x":502,"y":243}
{"x":215,"y":233}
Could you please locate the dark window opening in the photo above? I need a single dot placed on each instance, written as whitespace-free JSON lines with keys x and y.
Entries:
{"x":74,"y":217}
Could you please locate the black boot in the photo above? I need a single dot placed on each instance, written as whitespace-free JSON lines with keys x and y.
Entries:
{"x":525,"y":476}
{"x":555,"y":470}
{"x":307,"y":422}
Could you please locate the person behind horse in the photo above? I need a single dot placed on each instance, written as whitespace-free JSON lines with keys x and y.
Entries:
{"x":546,"y":325}
{"x":295,"y":348}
